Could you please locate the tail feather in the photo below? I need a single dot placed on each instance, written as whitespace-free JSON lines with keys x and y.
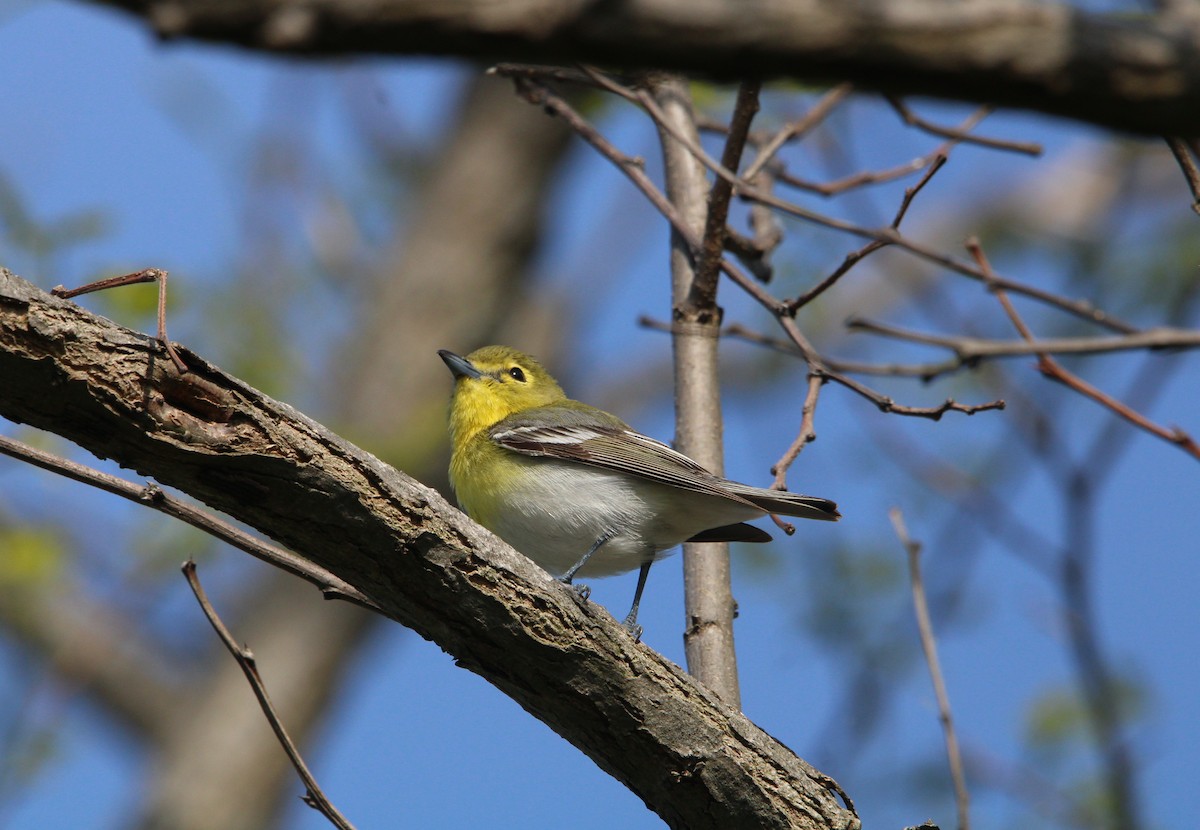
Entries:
{"x":732,"y":533}
{"x":787,"y":504}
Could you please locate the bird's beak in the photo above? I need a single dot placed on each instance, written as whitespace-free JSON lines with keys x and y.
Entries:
{"x":460,"y":367}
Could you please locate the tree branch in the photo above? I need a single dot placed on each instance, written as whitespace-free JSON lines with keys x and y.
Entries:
{"x":972,"y":349}
{"x":696,"y":258}
{"x":1132,"y":73}
{"x":695,"y":761}
{"x":314,"y":796}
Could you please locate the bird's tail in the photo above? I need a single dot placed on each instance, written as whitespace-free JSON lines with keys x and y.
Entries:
{"x":787,"y":504}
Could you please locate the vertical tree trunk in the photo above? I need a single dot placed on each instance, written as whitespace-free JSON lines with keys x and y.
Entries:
{"x":708,"y":636}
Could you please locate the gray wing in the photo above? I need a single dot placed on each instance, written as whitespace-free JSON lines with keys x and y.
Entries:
{"x":591,"y":436}
{"x":601,"y":440}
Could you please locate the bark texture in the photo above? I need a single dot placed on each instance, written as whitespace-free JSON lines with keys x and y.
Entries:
{"x":695,"y":761}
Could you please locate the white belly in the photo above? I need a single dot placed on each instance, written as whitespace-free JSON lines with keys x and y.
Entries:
{"x":559,"y":509}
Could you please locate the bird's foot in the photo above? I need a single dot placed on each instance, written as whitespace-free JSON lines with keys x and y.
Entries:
{"x":630,"y":625}
{"x":579,"y":588}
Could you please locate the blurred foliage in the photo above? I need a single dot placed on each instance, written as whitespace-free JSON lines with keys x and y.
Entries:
{"x":38,"y":241}
{"x":30,"y":557}
{"x":1058,"y":720}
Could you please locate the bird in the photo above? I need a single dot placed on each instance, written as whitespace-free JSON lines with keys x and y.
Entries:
{"x":579,"y":491}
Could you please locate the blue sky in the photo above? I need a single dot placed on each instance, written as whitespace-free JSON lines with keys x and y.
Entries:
{"x":94,"y":117}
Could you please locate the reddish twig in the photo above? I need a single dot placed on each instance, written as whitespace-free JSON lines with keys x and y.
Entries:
{"x":807,"y":434}
{"x":146,"y":275}
{"x":1052,"y":369}
{"x":314,"y":797}
{"x":929,"y":647}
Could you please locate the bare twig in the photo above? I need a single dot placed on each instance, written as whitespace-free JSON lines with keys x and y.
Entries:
{"x":151,"y":495}
{"x":314,"y":797}
{"x":633,"y":168}
{"x":929,"y":647}
{"x":798,"y":128}
{"x":863,"y":178}
{"x":1053,"y":370}
{"x":1028,"y":148}
{"x":910,"y":193}
{"x":704,"y":287}
{"x":1182,"y":153}
{"x":889,"y":235}
{"x":973,"y":349}
{"x":854,"y":257}
{"x":883,"y":402}
{"x":869,"y":177}
{"x":807,"y":434}
{"x":146,"y":275}
{"x":754,"y":252}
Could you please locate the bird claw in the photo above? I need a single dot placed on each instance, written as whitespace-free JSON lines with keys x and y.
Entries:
{"x":581,"y":590}
{"x":635,"y":630}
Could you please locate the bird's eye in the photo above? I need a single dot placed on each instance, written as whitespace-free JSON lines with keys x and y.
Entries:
{"x":516,"y":373}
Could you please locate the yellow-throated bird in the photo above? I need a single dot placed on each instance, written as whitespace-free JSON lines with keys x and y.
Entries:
{"x":576,"y":489}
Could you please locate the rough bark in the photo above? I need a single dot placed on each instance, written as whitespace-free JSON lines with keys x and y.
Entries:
{"x":695,"y":761}
{"x":1124,"y":71}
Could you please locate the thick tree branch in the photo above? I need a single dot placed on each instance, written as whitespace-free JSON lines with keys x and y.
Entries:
{"x":1135,"y":73}
{"x":695,"y":761}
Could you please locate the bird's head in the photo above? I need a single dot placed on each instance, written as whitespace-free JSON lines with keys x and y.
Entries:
{"x":492,"y":383}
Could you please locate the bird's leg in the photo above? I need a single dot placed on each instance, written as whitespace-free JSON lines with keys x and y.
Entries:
{"x":630,"y":621}
{"x":566,"y":578}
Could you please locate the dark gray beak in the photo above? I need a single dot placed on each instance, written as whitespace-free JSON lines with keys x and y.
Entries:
{"x":460,"y":367}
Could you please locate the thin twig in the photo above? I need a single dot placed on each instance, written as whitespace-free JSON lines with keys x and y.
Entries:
{"x":925,"y":371}
{"x":929,"y":646}
{"x":869,"y":177}
{"x":542,"y":96}
{"x":910,"y":192}
{"x":151,"y":495}
{"x":1182,"y":153}
{"x":889,"y":235}
{"x":1028,"y":148}
{"x":703,"y":291}
{"x":807,"y":434}
{"x":146,"y":275}
{"x":973,"y":349}
{"x":314,"y":797}
{"x":863,"y":178}
{"x":883,"y":402}
{"x":1053,"y":370}
{"x":854,"y":257}
{"x":798,"y":128}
